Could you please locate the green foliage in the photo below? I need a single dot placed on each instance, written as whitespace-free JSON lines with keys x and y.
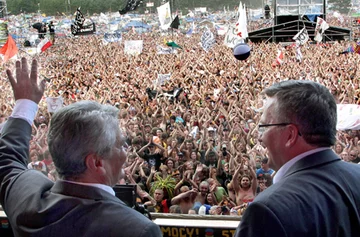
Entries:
{"x":342,"y":6}
{"x":55,"y":7}
{"x":167,"y":185}
{"x":17,"y":6}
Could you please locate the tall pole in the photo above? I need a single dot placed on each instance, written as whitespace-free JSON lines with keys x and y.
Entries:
{"x":70,"y":7}
{"x":39,"y":12}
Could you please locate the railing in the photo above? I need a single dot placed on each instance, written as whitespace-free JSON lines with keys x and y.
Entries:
{"x":196,"y":225}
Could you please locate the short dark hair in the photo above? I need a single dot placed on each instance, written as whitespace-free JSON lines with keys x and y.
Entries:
{"x":310,"y":106}
{"x":264,"y":160}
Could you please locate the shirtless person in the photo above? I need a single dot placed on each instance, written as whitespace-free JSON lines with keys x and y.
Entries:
{"x":185,"y":199}
{"x":246,"y":190}
{"x":203,"y":191}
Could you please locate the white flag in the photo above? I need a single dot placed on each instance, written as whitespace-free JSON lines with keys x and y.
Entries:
{"x":54,"y":103}
{"x":162,"y":78}
{"x":348,"y":117}
{"x":320,"y":28}
{"x":133,"y":47}
{"x":241,"y":25}
{"x":164,"y":16}
{"x":298,"y":53}
{"x":302,"y":37}
{"x":231,"y":38}
{"x":112,"y":37}
{"x":207,"y":40}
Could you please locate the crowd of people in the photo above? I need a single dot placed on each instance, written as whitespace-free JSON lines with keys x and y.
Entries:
{"x":197,"y":150}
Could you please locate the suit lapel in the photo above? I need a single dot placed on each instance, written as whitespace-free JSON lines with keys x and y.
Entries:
{"x":313,"y":160}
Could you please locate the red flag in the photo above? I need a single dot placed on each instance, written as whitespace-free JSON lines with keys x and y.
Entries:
{"x":44,"y":44}
{"x":9,"y":49}
{"x":279,"y":59}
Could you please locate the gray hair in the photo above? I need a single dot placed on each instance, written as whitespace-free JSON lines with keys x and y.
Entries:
{"x":205,"y":183}
{"x":310,"y":106}
{"x":78,"y":130}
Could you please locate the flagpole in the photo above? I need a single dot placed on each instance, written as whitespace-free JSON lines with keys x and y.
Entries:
{"x":172,"y":29}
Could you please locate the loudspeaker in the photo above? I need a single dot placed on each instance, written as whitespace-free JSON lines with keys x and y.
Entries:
{"x":126,"y":193}
{"x":267,"y":11}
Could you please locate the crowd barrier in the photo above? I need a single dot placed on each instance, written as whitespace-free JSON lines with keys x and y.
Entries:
{"x":180,"y":225}
{"x":172,"y":225}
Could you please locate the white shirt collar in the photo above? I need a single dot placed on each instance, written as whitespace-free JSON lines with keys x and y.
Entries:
{"x":101,"y":186}
{"x":283,"y":169}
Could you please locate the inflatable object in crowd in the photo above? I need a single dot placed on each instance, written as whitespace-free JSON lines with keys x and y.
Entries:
{"x":241,"y":51}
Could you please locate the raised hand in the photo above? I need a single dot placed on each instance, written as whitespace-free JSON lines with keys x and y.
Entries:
{"x":152,"y":170}
{"x":199,"y":168}
{"x":26,"y":85}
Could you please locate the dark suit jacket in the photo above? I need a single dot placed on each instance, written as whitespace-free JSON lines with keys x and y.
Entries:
{"x":318,"y":196}
{"x":36,"y":206}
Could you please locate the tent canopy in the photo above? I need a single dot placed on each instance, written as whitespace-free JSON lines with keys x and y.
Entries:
{"x":137,"y":24}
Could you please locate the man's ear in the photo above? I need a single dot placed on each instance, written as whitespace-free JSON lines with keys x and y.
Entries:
{"x":94,"y":163}
{"x":293,"y":135}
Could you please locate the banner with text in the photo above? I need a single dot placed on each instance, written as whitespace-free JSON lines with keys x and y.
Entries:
{"x":133,"y":47}
{"x":348,"y":117}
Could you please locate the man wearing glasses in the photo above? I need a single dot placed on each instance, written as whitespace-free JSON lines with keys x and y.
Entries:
{"x":354,"y":156}
{"x":314,"y":193}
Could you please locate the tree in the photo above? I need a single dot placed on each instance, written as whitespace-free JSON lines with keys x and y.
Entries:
{"x":26,"y":6}
{"x":53,"y":7}
{"x":342,"y":6}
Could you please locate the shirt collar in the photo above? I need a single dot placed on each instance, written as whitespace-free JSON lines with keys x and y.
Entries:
{"x":283,"y":169}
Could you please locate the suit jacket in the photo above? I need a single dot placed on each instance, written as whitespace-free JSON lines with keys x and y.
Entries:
{"x":318,"y":196}
{"x":37,"y":206}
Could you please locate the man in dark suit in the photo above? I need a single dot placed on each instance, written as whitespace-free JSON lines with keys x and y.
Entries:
{"x":88,"y":150}
{"x":314,"y":192}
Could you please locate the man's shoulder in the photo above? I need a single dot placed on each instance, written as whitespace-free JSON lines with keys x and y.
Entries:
{"x":119,"y":219}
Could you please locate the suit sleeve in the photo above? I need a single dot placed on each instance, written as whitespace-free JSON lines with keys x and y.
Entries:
{"x":14,"y":152}
{"x":260,"y":221}
{"x":152,"y":230}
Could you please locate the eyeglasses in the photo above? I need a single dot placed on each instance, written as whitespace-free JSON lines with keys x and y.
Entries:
{"x":262,"y":127}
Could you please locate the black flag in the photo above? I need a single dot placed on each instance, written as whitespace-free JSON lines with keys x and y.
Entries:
{"x":131,"y":5}
{"x":78,"y":28}
{"x":175,"y":23}
{"x":79,"y":18}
